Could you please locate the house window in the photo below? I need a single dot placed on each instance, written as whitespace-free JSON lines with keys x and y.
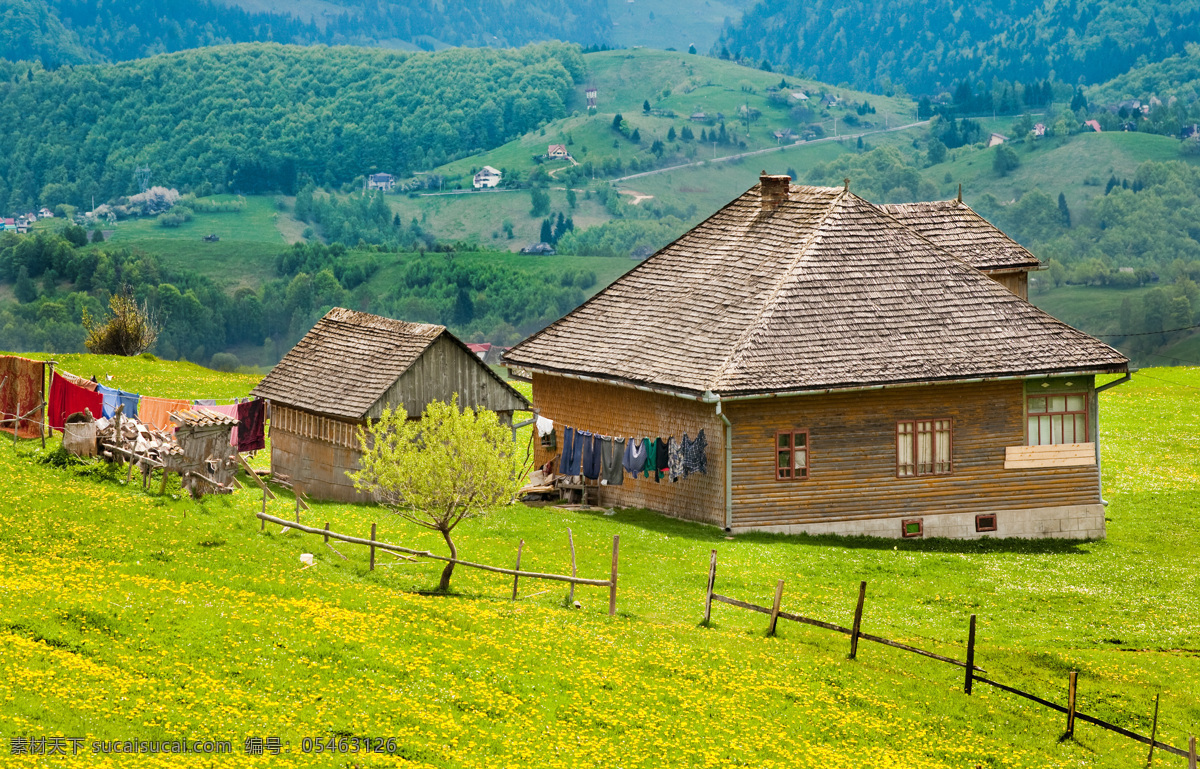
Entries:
{"x":985,"y":522}
{"x":1057,"y":419}
{"x":791,"y":455}
{"x":912,"y":527}
{"x":924,"y":447}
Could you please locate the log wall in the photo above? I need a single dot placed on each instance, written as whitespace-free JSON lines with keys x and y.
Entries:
{"x":621,"y":411}
{"x":852,"y":440}
{"x":315,"y":452}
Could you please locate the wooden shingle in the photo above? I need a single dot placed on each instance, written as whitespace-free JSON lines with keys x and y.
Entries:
{"x":350,"y":360}
{"x":824,"y":290}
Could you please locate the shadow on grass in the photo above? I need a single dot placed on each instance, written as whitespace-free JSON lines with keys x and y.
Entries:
{"x":674,"y":527}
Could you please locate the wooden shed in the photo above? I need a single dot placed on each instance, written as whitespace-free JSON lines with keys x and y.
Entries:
{"x":857,"y":369}
{"x":345,"y":371}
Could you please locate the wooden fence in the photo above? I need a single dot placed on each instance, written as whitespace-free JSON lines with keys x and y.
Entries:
{"x":971,"y":670}
{"x":516,"y":573}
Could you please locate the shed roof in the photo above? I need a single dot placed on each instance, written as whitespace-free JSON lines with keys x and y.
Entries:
{"x":824,"y":291}
{"x":956,"y":227}
{"x":349,"y":360}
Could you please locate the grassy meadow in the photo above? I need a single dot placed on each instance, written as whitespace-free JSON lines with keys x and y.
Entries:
{"x":128,"y":615}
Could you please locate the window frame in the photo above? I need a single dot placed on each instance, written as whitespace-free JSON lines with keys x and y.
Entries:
{"x":979,"y":522}
{"x":915,"y":437}
{"x":791,"y":450}
{"x":918,"y":534}
{"x":1046,"y":396}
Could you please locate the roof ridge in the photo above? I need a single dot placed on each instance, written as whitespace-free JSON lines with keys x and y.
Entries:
{"x":769,"y":300}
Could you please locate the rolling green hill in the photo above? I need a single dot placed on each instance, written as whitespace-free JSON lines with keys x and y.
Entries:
{"x":927,"y":46}
{"x":57,"y":32}
{"x":256,"y":117}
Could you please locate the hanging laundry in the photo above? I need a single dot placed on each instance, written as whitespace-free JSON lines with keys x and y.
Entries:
{"x":612,"y":453}
{"x":674,"y":459}
{"x":156,"y":412}
{"x":544,"y":426}
{"x":78,"y":381}
{"x":635,"y":456}
{"x":23,"y":389}
{"x":661,"y":458}
{"x":112,"y":399}
{"x":571,"y":457}
{"x":130,"y":401}
{"x":695,"y":458}
{"x":67,"y":398}
{"x":205,"y":402}
{"x":590,"y":454}
{"x":651,"y":457}
{"x":251,"y":433}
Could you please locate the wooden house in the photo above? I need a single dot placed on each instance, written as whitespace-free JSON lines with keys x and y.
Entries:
{"x":345,"y":371}
{"x":854,"y":368}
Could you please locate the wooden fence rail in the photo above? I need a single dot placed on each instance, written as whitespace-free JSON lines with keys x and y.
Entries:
{"x":972,"y":670}
{"x":374,"y":544}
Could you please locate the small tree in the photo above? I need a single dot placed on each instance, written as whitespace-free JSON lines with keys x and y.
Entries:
{"x":130,"y":329}
{"x":450,"y":466}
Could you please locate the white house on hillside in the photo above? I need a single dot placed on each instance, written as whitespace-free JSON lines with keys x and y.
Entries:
{"x":487,"y":177}
{"x":385,"y":182}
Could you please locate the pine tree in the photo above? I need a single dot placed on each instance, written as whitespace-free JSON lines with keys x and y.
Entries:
{"x":618,"y":119}
{"x":547,"y":234}
{"x":1063,"y":211}
{"x":24,"y":290}
{"x":671,"y":134}
{"x":646,"y":106}
{"x":636,"y":136}
{"x":691,"y":49}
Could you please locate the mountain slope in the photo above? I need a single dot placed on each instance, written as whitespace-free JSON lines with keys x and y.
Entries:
{"x":252,"y":117}
{"x":927,"y":45}
{"x":80,"y":31}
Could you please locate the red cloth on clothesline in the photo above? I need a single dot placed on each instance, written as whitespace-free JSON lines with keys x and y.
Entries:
{"x":66,"y":398}
{"x":24,"y":386}
{"x":251,"y":435}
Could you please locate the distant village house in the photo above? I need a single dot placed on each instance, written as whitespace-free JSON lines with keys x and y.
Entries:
{"x":384,"y":182}
{"x":486,"y":178}
{"x":557,"y":152}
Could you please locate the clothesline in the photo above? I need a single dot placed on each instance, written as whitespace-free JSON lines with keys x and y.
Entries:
{"x":609,"y":458}
{"x":194,"y":401}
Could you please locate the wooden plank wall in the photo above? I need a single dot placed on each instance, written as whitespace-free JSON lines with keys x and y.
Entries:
{"x":316,"y":467}
{"x":853,"y":454}
{"x":613,"y":410}
{"x":1016,"y":282}
{"x":442,"y":371}
{"x":313,"y":426}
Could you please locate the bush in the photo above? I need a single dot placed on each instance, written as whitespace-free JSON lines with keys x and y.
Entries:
{"x":225,"y":361}
{"x":130,"y":329}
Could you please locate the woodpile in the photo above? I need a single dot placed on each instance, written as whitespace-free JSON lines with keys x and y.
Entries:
{"x":129,"y":436}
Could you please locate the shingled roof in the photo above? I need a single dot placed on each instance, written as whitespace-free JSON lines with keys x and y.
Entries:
{"x":956,"y":227}
{"x":349,"y":360}
{"x":806,"y":288}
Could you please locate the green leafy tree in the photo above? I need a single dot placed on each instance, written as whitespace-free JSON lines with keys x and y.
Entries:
{"x":1005,"y":160}
{"x":540,"y":202}
{"x":692,"y":49}
{"x":617,"y":122}
{"x":572,"y":199}
{"x":130,"y":329}
{"x":450,"y":466}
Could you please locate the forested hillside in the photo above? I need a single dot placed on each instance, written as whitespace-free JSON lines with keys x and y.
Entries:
{"x":56,"y":32}
{"x":929,"y":45}
{"x":1177,"y":76}
{"x":255,"y":117}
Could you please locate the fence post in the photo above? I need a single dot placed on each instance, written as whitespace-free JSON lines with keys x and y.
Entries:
{"x":612,"y":585}
{"x":1192,"y":753}
{"x":970,"y":682}
{"x":263,"y":521}
{"x":327,"y":533}
{"x":574,"y":573}
{"x":516,"y":578}
{"x":1153,"y":732}
{"x":862,"y":597}
{"x":372,"y":544}
{"x":775,"y":607}
{"x":1071,"y":677}
{"x":712,"y":580}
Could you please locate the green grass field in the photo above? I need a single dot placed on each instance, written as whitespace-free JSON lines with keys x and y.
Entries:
{"x":1078,"y":166}
{"x":245,"y":254}
{"x":127,"y":615}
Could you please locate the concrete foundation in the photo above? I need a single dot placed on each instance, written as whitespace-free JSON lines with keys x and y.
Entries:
{"x":1070,"y":522}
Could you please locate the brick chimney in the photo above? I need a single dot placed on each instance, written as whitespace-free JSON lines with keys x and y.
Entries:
{"x":774,"y":190}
